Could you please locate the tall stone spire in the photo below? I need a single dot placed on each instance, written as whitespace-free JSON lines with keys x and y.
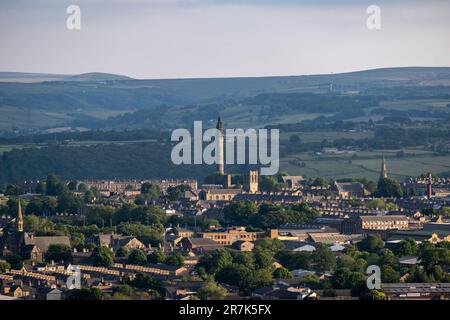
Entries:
{"x":19,"y":218}
{"x":220,"y":153}
{"x":383,"y":172}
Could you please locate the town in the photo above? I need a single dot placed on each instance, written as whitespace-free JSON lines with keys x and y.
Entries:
{"x":234,"y":236}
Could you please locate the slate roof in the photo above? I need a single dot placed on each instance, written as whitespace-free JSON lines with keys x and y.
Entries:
{"x":354,"y":187}
{"x":42,"y":243}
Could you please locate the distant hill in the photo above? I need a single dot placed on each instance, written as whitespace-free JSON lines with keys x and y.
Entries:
{"x":97,"y":76}
{"x":27,"y":77}
{"x":30,"y":77}
{"x":47,"y":100}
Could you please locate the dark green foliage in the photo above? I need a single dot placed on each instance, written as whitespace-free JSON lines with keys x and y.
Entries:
{"x":137,"y":256}
{"x":58,"y":253}
{"x":102,"y":257}
{"x":122,"y":252}
{"x":294,"y":260}
{"x":144,"y":281}
{"x":240,"y":213}
{"x":146,"y":234}
{"x":15,"y":261}
{"x":150,"y":190}
{"x":371,"y":243}
{"x":177,"y":192}
{"x":4,"y":266}
{"x":389,"y":187}
{"x":156,"y":257}
{"x":324,"y":259}
{"x":84,"y":294}
{"x":281,"y":273}
{"x":174,"y":259}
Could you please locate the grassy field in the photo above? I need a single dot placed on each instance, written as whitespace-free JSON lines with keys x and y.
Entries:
{"x":419,"y":104}
{"x":366,"y":164}
{"x":318,"y":136}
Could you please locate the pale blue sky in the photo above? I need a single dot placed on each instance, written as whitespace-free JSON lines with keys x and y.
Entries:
{"x":219,"y":38}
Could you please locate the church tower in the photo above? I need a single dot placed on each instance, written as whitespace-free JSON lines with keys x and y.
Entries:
{"x":251,"y":181}
{"x":383,"y":172}
{"x":220,"y":153}
{"x":19,"y":218}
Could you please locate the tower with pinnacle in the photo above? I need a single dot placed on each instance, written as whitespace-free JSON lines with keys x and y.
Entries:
{"x":383,"y":171}
{"x":220,"y":141}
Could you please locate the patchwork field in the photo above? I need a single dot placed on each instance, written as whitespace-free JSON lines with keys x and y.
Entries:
{"x":366,"y":164}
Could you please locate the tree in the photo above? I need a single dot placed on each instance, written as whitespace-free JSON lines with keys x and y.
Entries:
{"x":371,"y":243}
{"x":84,"y":294}
{"x":445,"y":211}
{"x":388,"y":258}
{"x":269,"y":184}
{"x":407,"y":247}
{"x":212,"y":291}
{"x":174,"y":259}
{"x":244,"y":258}
{"x":41,"y":188}
{"x":272,"y":245}
{"x":240,"y":212}
{"x":389,"y":188}
{"x":311,"y":281}
{"x":88,"y":196}
{"x":82,"y":187}
{"x":237,"y":275}
{"x":69,"y":202}
{"x":77,"y":239}
{"x":294,"y":260}
{"x":261,"y":278}
{"x":376,"y":203}
{"x":15,"y":261}
{"x":341,"y":277}
{"x":58,"y":252}
{"x":145,"y":281}
{"x":152,"y":191}
{"x":177,"y":192}
{"x":122,"y":252}
{"x":35,"y":206}
{"x":378,"y":295}
{"x":263,"y":259}
{"x":389,"y":275}
{"x":12,"y":190}
{"x":37,"y":224}
{"x":146,"y":234}
{"x":417,"y":275}
{"x":156,"y":257}
{"x":270,"y":216}
{"x":102,"y":257}
{"x":72,"y":186}
{"x":303,"y":213}
{"x":54,"y":186}
{"x":4,"y":266}
{"x":281,"y":273}
{"x":137,"y":256}
{"x":100,"y":215}
{"x":125,"y":290}
{"x":324,"y":259}
{"x":214,"y":261}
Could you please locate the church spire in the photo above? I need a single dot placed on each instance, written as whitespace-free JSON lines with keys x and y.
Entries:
{"x":19,"y":218}
{"x":383,"y":172}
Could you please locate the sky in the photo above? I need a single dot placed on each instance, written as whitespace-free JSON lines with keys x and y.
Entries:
{"x":221,"y":38}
